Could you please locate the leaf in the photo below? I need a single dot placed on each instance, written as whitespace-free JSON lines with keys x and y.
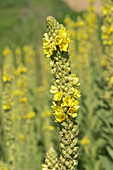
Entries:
{"x":106,"y":162}
{"x":110,"y":151}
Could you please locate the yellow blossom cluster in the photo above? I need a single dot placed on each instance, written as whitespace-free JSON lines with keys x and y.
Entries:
{"x":61,"y":40}
{"x":7,"y":51}
{"x":85,"y":141}
{"x":22,"y":137}
{"x":68,"y":103}
{"x":107,"y":27}
{"x":29,"y":115}
{"x":65,"y":88}
{"x":7,"y":106}
{"x":107,"y":37}
{"x":6,"y":78}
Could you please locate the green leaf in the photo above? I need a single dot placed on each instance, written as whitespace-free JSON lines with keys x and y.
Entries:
{"x":110,"y":151}
{"x":106,"y":162}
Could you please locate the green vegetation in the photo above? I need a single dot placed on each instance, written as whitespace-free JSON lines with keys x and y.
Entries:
{"x":22,"y":21}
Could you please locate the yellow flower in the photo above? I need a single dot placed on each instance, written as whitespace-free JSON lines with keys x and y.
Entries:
{"x":58,"y":96}
{"x":75,"y":104}
{"x":53,"y":89}
{"x":59,"y":114}
{"x":29,"y":115}
{"x":109,"y":42}
{"x":62,"y":40}
{"x":12,"y":103}
{"x":103,"y":63}
{"x":85,"y":141}
{"x":104,"y":29}
{"x":22,"y":69}
{"x":6,"y":51}
{"x":23,"y":100}
{"x":104,"y":11}
{"x":6,"y":107}
{"x":6,"y":78}
{"x":75,"y":79}
{"x":48,"y":50}
{"x":26,"y":48}
{"x":16,"y":92}
{"x":77,"y":93}
{"x":44,"y":167}
{"x":67,"y":20}
{"x":67,"y":101}
{"x":22,"y":137}
{"x":72,"y":112}
{"x":18,"y":51}
{"x":48,"y":45}
{"x":111,"y":79}
{"x":4,"y":168}
{"x":110,"y":30}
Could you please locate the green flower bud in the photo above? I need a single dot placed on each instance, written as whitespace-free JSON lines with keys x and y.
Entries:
{"x":66,"y":78}
{"x":51,"y":63}
{"x":62,"y":145}
{"x":65,"y":109}
{"x":53,"y":71}
{"x":57,"y":63}
{"x":68,"y":69}
{"x":63,"y":87}
{"x":66,"y":89}
{"x":58,"y":81}
{"x":60,"y":74}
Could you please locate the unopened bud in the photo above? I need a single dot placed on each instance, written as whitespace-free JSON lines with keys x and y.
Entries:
{"x":51,"y":63}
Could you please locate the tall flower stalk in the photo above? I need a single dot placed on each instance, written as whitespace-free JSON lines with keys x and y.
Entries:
{"x":66,"y":93}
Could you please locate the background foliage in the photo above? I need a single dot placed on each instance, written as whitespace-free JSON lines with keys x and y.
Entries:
{"x":27,"y":125}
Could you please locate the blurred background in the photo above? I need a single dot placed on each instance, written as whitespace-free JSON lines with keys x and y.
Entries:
{"x":27,"y":127}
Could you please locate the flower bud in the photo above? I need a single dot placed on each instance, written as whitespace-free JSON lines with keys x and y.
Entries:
{"x":68,"y":69}
{"x":66,"y":78}
{"x":66,"y":89}
{"x":51,"y":63}
{"x":53,"y":71}
{"x":60,"y":74}
{"x":58,"y":81}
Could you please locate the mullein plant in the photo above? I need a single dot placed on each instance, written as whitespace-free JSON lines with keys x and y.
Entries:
{"x":66,"y":94}
{"x":27,"y":136}
{"x":1,"y":126}
{"x":107,"y":127}
{"x":29,"y":61}
{"x":7,"y":110}
{"x":93,"y":147}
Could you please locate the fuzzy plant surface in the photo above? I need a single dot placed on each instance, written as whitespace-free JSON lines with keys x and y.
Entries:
{"x":66,"y":94}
